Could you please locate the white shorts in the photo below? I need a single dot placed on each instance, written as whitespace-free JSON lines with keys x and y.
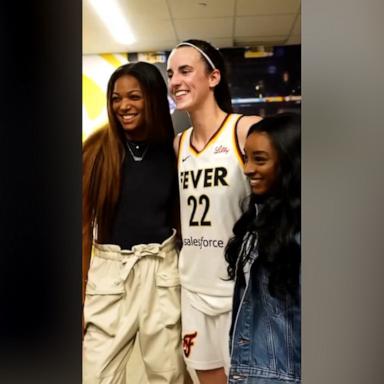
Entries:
{"x":205,"y":337}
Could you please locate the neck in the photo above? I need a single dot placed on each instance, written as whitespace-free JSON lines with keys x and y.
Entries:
{"x":136,"y":136}
{"x":206,"y":120}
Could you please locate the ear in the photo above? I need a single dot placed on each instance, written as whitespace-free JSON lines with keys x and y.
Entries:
{"x":214,"y":78}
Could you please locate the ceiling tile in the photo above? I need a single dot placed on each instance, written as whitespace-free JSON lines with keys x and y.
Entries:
{"x":185,"y":9}
{"x":154,"y":9}
{"x":91,"y":21}
{"x":154,"y":29}
{"x":208,"y":29}
{"x":153,"y":46}
{"x":294,"y":39}
{"x":264,"y":25}
{"x":297,"y":26}
{"x":103,"y":46}
{"x":222,"y":42}
{"x":147,"y":30}
{"x":141,"y":46}
{"x":255,"y":41}
{"x":266,"y":7}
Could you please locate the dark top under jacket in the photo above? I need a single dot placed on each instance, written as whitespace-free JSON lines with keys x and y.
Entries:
{"x":149,"y":190}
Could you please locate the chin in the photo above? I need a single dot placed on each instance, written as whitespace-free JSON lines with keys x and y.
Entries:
{"x":182,"y":107}
{"x":130,"y":128}
{"x":258,"y":191}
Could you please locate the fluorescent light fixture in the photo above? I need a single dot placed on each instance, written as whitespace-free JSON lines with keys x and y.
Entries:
{"x":110,"y":12}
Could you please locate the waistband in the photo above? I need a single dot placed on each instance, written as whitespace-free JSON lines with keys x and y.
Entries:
{"x":114,"y":252}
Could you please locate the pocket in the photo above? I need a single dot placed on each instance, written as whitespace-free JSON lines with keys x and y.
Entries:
{"x":104,"y":293}
{"x":168,"y":288}
{"x":104,"y":276}
{"x":166,"y":281}
{"x":274,"y":306}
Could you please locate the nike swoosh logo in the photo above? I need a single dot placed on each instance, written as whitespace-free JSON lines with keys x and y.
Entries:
{"x":186,"y":158}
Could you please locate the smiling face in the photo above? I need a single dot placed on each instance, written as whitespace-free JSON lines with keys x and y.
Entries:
{"x":128,"y":106}
{"x":261,"y":163}
{"x":189,"y":82}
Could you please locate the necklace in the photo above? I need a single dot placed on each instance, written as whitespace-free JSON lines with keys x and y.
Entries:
{"x":140,"y":149}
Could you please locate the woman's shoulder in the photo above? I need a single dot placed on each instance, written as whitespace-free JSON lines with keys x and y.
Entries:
{"x":243,"y":125}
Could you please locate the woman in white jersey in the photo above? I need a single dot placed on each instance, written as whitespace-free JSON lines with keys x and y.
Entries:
{"x":212,"y":189}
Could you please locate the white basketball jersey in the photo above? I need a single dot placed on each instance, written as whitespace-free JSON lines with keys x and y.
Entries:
{"x":212,"y":193}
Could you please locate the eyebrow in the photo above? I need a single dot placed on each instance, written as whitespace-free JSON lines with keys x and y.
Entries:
{"x":258,"y":152}
{"x":180,"y":68}
{"x":130,"y":91}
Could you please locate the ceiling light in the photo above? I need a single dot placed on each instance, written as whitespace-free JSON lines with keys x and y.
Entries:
{"x":110,"y":12}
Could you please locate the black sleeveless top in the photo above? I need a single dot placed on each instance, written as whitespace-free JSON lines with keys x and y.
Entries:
{"x":148,"y":193}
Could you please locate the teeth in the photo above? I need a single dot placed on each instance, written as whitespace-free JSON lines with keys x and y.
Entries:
{"x":180,"y":93}
{"x":128,"y":117}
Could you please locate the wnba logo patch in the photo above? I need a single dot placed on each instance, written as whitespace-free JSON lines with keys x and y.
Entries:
{"x":188,"y":342}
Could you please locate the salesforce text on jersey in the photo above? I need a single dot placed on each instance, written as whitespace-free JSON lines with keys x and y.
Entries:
{"x":202,"y":242}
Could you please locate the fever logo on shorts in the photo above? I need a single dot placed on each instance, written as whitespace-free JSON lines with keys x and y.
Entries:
{"x":188,"y":342}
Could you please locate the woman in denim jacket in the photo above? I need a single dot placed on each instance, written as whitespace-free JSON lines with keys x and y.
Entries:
{"x":264,"y":259}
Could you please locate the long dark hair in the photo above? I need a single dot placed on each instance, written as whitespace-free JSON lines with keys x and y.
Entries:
{"x":221,"y":91}
{"x":278,"y":223}
{"x":103,"y":152}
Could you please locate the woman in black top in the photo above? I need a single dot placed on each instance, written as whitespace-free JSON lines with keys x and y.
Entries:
{"x":131,"y":284}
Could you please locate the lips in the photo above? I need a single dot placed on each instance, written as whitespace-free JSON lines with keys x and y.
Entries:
{"x":255,"y":181}
{"x":128,"y":117}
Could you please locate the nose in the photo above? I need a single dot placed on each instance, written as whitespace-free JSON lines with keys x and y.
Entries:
{"x":173,"y":81}
{"x":249,"y":168}
{"x":124,"y":105}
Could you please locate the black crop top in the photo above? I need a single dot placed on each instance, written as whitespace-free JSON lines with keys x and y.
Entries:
{"x":148,"y":193}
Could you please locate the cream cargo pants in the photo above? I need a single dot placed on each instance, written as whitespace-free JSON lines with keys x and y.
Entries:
{"x":129,"y":294}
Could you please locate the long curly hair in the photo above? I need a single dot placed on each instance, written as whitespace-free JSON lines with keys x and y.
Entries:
{"x":278,"y":223}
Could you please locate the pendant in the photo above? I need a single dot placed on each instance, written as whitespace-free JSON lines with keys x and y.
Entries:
{"x":135,"y":157}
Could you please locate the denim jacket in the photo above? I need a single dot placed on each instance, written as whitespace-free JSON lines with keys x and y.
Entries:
{"x":265,"y":335}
